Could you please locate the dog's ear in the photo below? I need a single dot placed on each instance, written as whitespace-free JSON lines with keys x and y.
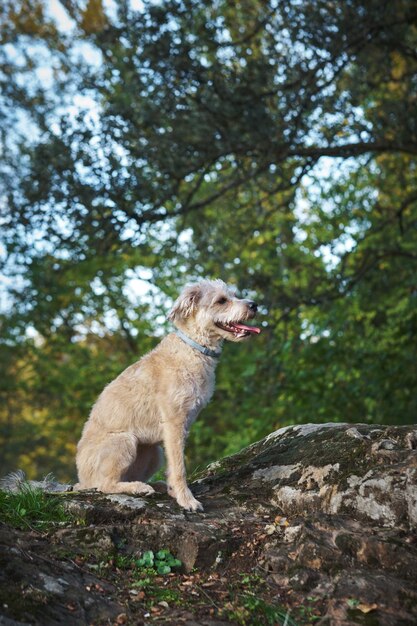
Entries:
{"x":186,"y":303}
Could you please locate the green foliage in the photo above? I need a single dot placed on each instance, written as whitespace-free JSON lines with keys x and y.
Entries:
{"x":270,"y":143}
{"x":151,"y":563}
{"x":145,"y":572}
{"x":309,"y":612}
{"x":246,"y":605}
{"x":162,"y":562}
{"x":32,"y":508}
{"x":247,"y":608}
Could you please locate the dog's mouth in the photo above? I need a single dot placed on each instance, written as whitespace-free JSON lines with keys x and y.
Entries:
{"x":238,"y":329}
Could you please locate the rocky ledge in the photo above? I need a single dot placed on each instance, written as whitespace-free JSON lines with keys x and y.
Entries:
{"x":313,"y":524}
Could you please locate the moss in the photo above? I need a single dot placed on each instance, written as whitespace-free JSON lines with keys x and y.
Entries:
{"x":24,"y":604}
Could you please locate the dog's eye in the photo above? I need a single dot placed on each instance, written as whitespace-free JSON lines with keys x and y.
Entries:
{"x":222,"y":301}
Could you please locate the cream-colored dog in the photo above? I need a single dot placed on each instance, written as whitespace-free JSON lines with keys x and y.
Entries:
{"x":157,"y":399}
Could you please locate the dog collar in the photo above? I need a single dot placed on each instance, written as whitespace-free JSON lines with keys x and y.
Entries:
{"x":215,"y":354}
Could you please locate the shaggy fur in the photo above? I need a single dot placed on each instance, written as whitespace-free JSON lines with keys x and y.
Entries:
{"x":157,"y":399}
{"x":15,"y":482}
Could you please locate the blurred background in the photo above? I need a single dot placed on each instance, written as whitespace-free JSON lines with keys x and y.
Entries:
{"x":272,"y":143}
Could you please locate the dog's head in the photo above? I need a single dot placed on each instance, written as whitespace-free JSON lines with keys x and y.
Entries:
{"x":211,"y":308}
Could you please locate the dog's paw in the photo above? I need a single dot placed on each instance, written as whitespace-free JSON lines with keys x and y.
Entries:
{"x":142,"y":489}
{"x":194,"y":505}
{"x":147,"y":491}
{"x":187,"y":501}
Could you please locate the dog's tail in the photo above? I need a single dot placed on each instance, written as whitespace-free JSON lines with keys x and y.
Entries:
{"x":17,"y":481}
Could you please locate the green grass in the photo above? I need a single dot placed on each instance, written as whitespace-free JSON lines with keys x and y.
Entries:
{"x":31,"y":508}
{"x":247,"y":608}
{"x":147,"y":581}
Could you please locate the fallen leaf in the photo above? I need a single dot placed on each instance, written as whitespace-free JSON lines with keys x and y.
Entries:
{"x":366,"y":608}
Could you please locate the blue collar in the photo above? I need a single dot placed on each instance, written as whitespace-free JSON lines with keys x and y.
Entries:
{"x":215,"y":354}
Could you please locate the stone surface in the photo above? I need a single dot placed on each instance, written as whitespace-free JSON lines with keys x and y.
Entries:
{"x":324,"y":514}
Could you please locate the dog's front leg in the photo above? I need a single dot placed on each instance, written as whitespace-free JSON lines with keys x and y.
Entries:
{"x":174,"y":440}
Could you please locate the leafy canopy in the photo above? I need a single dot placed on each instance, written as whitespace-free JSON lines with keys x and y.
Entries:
{"x":270,"y":143}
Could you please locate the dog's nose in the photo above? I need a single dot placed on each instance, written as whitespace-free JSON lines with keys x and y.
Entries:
{"x":252,"y":305}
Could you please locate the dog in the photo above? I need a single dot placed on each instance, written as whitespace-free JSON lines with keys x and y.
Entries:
{"x":156,"y":400}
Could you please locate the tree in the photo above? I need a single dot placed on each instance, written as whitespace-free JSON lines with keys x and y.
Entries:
{"x":185,"y":140}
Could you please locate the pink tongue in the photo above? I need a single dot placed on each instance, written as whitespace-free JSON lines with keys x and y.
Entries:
{"x":251,"y":329}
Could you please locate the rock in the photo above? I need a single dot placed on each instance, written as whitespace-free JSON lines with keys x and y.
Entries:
{"x":333,"y":469}
{"x":38,"y":588}
{"x":323,"y":514}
